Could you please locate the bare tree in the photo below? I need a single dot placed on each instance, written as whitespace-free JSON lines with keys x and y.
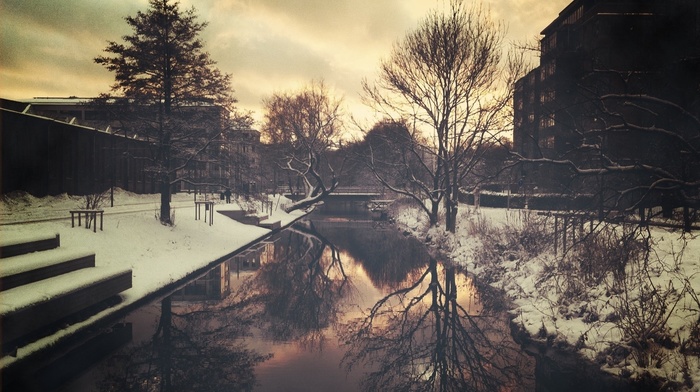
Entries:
{"x":306,"y":125}
{"x":399,"y":160}
{"x":450,"y":79}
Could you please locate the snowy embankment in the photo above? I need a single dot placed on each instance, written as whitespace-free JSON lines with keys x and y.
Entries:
{"x":637,"y":321}
{"x":133,"y":238}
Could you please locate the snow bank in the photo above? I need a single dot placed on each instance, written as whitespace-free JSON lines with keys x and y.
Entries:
{"x":589,"y":321}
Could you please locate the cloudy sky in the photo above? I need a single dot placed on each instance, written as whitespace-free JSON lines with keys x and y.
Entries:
{"x":47,"y":46}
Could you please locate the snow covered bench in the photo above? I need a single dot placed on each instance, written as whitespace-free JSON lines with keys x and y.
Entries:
{"x":43,"y":286}
{"x":88,"y":214}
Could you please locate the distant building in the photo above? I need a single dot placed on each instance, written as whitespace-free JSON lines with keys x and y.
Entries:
{"x":597,"y":47}
{"x":122,"y":160}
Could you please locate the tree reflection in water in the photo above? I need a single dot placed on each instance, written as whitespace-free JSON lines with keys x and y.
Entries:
{"x":197,"y":346}
{"x":421,"y":338}
{"x":184,"y":354}
{"x":299,"y":294}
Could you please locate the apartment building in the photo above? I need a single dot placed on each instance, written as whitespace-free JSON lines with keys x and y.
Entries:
{"x":596,"y":51}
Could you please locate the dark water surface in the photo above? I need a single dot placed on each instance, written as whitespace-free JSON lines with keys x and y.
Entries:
{"x":326,"y":305}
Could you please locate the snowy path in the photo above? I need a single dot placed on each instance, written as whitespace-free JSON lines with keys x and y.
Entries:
{"x":160,"y":257}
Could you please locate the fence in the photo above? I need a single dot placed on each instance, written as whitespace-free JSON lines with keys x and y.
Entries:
{"x":48,"y":157}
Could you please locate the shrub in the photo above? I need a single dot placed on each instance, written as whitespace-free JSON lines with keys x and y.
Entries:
{"x":607,"y":251}
{"x":93,"y":201}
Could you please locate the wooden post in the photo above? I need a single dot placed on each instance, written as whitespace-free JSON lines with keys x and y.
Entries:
{"x":556,"y":233}
{"x":566,"y":223}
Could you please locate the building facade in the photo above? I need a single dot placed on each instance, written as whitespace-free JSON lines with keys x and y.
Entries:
{"x":589,"y":101}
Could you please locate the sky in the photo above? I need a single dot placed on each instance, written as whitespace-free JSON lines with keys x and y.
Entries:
{"x":47,"y":47}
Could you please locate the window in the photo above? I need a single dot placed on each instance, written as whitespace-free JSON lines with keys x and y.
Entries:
{"x":574,"y":16}
{"x":548,"y":43}
{"x":546,"y":122}
{"x":547,"y":95}
{"x":547,"y":142}
{"x":548,"y":69}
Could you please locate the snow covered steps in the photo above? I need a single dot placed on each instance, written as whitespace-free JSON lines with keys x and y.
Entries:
{"x":19,"y":246}
{"x":251,"y":219}
{"x":28,"y":268}
{"x":47,"y":289}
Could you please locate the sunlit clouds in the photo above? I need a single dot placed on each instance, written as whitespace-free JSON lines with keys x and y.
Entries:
{"x":47,"y":47}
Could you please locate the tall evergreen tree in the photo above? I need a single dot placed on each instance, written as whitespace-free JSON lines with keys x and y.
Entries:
{"x":175,"y":96}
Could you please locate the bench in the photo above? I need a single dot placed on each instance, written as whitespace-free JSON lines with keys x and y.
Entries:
{"x":29,"y":268}
{"x":88,"y":214}
{"x":208,"y":207}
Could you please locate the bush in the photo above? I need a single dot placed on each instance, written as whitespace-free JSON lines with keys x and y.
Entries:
{"x":526,"y":236}
{"x":93,"y":201}
{"x":607,"y":251}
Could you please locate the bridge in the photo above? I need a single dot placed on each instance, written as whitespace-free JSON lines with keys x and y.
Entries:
{"x":352,"y":200}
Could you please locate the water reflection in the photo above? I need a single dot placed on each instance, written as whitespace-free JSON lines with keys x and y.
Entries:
{"x":199,"y":344}
{"x":298,"y":295}
{"x":423,"y":336}
{"x":387,"y":257}
{"x":190,"y":351}
{"x":312,"y":299}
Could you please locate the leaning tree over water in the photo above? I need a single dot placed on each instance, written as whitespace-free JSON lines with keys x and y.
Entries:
{"x":306,"y":125}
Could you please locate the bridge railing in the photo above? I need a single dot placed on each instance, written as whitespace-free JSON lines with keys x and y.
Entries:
{"x":359,"y":190}
{"x":344,"y":190}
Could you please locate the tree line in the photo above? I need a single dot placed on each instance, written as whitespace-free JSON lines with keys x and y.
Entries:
{"x":445,"y":92}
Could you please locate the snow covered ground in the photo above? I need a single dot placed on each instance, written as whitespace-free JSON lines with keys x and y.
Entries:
{"x":132,"y":238}
{"x":589,"y":320}
{"x":159,"y":255}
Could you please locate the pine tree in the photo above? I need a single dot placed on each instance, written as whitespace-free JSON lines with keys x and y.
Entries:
{"x":176,"y":98}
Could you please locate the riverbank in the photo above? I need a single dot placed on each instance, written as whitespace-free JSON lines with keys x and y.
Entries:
{"x":555,"y":307}
{"x":159,"y":256}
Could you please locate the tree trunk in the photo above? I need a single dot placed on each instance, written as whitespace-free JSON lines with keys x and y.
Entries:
{"x":452,"y":219}
{"x":165,"y":200}
{"x":434,"y":210}
{"x":165,"y":217}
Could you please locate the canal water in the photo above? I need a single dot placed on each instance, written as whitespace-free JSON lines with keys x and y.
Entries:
{"x":328,"y":304}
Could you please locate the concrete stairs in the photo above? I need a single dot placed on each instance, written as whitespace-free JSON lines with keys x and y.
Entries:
{"x":247,"y":219}
{"x":44,"y":287}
